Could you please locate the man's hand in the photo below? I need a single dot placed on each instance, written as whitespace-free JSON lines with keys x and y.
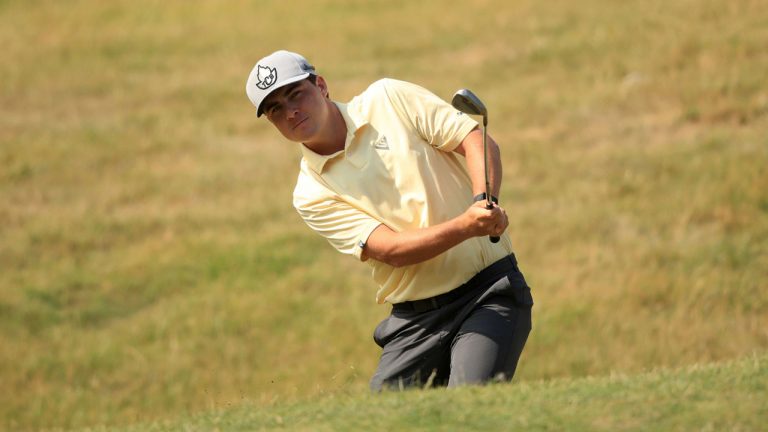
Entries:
{"x":480,"y":221}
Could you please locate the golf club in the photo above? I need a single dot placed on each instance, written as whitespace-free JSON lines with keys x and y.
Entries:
{"x":466,"y":101}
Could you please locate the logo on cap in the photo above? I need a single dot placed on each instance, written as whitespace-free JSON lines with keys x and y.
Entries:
{"x":306,"y":67}
{"x":267,"y":76}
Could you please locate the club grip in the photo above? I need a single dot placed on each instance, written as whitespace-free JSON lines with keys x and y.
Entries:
{"x":493,"y":239}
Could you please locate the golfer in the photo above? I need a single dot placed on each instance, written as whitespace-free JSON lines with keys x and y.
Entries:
{"x":395,"y":178}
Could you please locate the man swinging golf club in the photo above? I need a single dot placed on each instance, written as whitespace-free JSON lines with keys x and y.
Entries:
{"x":402,"y":180}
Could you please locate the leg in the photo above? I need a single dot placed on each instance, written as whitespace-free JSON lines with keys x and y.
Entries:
{"x":404,"y":369}
{"x":489,"y":342}
{"x":415,"y":352}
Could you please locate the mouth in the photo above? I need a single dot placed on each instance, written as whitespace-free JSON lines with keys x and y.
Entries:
{"x":300,"y":122}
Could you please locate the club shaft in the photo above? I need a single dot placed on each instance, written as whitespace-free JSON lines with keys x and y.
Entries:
{"x":488,"y":203}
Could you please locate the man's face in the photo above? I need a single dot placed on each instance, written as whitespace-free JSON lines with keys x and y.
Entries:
{"x":299,"y":110}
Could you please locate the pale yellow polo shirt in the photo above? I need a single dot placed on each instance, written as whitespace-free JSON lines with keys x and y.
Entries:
{"x":397,"y":168}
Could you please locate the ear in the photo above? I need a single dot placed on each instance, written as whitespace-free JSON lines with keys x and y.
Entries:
{"x":323,"y":86}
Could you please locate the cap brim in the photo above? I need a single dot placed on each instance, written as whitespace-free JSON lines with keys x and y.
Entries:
{"x":291,"y":80}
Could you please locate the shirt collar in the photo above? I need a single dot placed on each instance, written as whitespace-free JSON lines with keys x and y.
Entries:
{"x":354,"y":122}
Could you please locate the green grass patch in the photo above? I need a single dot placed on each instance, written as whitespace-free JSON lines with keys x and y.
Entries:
{"x":727,"y":396}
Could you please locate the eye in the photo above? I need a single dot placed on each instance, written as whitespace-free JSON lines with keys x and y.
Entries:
{"x":274,"y":109}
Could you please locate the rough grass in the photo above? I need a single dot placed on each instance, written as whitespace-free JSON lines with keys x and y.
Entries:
{"x":151,"y":263}
{"x":728,"y":396}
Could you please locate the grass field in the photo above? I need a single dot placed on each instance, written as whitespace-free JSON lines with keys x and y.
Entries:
{"x":151,"y":264}
{"x":727,"y":396}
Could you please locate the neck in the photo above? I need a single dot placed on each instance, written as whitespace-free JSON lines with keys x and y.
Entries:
{"x":333,"y":136}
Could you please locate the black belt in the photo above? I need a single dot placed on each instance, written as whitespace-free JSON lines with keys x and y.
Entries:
{"x":479,"y":280}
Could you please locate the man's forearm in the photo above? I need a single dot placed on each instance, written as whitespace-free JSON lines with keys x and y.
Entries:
{"x":411,"y":247}
{"x":472,"y":149}
{"x":414,"y":246}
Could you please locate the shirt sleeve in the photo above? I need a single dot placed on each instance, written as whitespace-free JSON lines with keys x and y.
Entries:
{"x":344,"y":226}
{"x":437,"y":122}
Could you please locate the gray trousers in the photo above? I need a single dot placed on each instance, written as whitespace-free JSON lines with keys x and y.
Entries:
{"x":472,"y":335}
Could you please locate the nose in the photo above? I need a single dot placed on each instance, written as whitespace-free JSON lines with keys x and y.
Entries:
{"x":291,"y":110}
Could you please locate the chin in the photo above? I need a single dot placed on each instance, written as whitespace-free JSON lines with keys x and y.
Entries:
{"x":303,"y":135}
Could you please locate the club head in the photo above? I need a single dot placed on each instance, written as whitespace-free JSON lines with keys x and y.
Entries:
{"x":466,"y":101}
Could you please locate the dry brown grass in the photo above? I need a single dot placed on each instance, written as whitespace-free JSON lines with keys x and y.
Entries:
{"x":152,"y":264}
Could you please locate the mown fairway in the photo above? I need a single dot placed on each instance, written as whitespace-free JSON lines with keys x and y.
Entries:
{"x":151,"y":264}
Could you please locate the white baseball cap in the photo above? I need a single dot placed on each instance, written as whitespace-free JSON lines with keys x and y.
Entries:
{"x":274,"y":71}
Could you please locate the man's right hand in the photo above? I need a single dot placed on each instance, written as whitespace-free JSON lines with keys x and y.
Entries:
{"x":481,"y":221}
